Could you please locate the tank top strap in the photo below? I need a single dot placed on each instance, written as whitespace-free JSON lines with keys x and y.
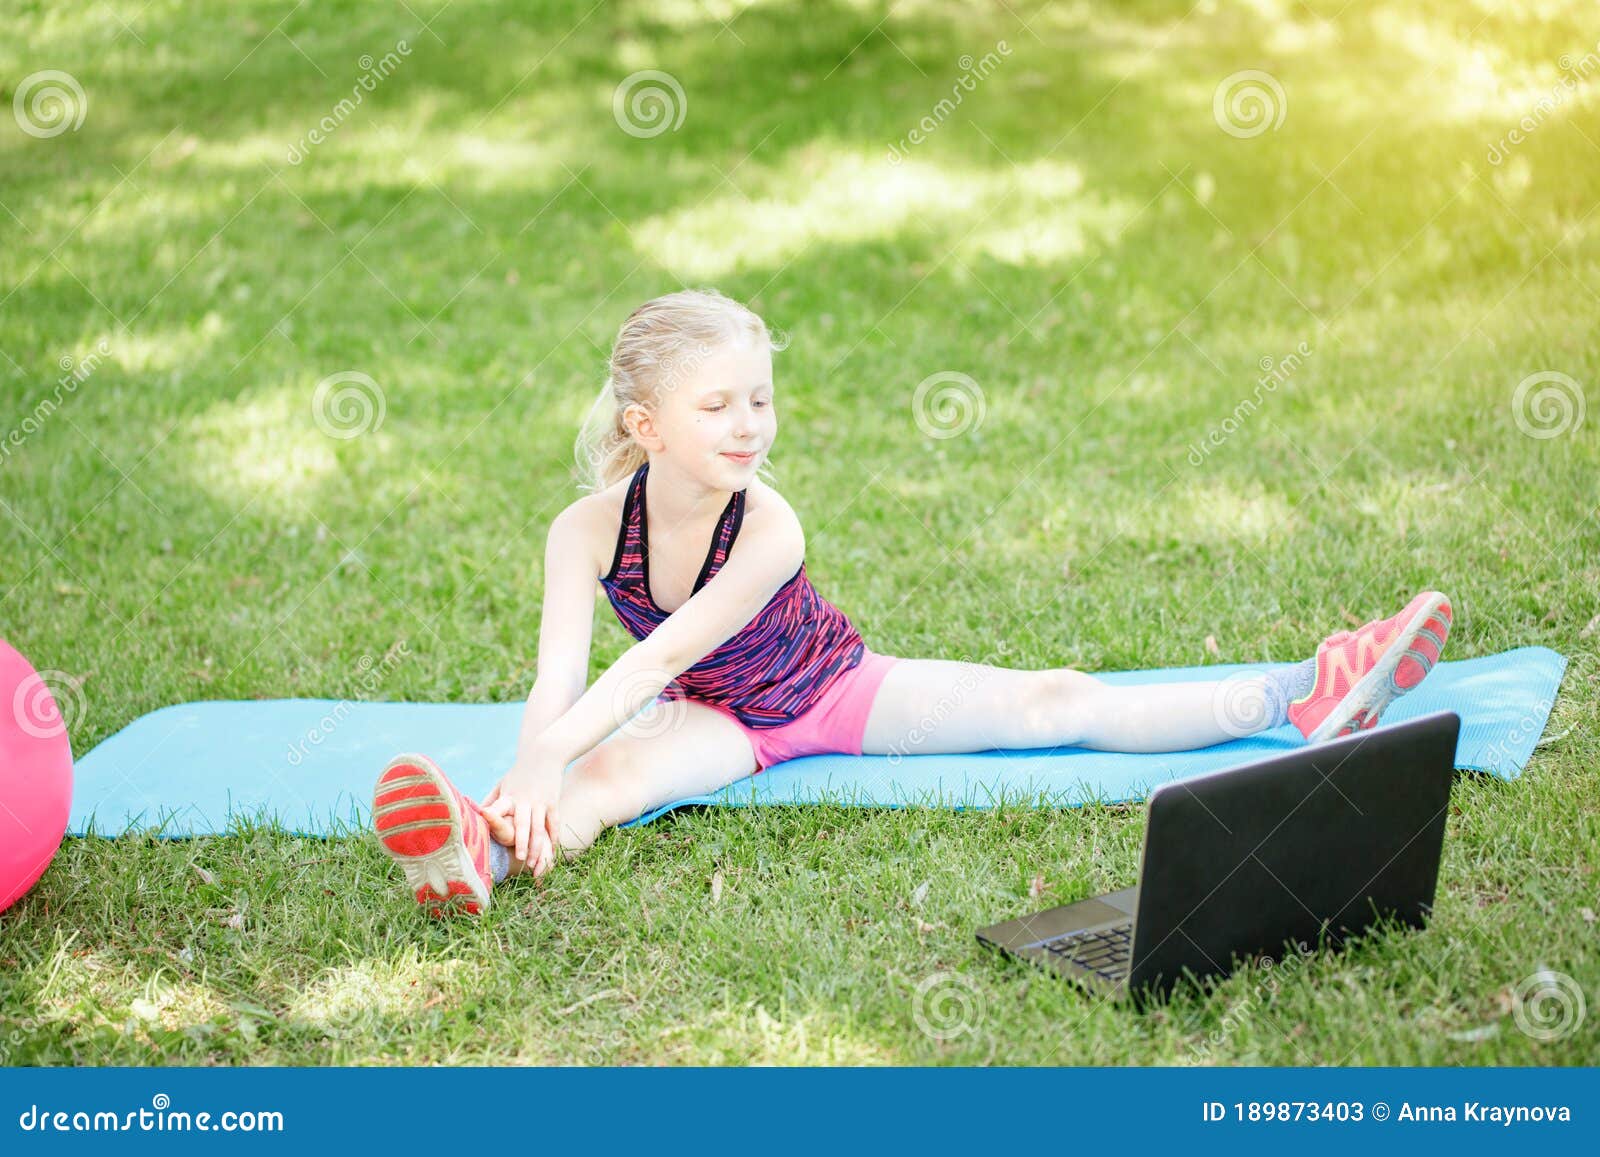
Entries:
{"x":722,"y":544}
{"x":627,"y":563}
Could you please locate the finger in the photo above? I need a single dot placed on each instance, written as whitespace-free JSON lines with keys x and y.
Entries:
{"x":500,"y":828}
{"x":523,"y":817}
{"x":494,"y":794}
{"x":552,"y":827}
{"x":537,"y":838}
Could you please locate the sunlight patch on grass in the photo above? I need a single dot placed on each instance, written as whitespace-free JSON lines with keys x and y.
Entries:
{"x":178,"y":1006}
{"x":349,"y":997}
{"x":381,"y":152}
{"x":84,"y":987}
{"x":155,"y":350}
{"x":690,"y":14}
{"x":751,"y":1034}
{"x":268,"y":442}
{"x":1483,"y":81}
{"x":1211,"y":511}
{"x":1028,"y":214}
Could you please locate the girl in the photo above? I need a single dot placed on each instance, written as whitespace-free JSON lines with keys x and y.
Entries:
{"x":743,"y":664}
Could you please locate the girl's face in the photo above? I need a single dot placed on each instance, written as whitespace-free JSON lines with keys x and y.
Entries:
{"x":717,"y":422}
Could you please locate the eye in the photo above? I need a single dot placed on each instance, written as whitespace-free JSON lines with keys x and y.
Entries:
{"x":714,"y":409}
{"x":764,"y":403}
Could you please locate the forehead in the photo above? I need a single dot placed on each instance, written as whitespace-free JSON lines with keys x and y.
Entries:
{"x":733,"y":366}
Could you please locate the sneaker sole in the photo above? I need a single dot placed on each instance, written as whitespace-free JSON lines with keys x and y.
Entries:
{"x":1367,"y":700}
{"x":430,"y":847}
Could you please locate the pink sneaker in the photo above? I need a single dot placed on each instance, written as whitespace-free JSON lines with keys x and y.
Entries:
{"x":438,"y":836}
{"x":1359,"y":673}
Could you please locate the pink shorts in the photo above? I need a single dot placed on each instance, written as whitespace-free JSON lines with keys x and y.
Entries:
{"x":834,"y":723}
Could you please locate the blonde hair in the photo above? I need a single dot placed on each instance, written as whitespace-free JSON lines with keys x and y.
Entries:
{"x":657,"y":349}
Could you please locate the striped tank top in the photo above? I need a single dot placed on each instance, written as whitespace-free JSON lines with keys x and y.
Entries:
{"x":777,"y":665}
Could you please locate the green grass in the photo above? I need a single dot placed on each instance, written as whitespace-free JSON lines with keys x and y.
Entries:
{"x":1079,"y":237}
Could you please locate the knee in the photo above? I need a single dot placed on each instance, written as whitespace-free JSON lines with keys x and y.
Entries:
{"x":1056,"y":706}
{"x":605,"y":782}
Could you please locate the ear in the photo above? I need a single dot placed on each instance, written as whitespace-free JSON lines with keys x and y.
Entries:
{"x":641,"y":423}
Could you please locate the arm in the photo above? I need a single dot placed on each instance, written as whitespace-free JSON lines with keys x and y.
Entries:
{"x":769,"y":550}
{"x":766,"y":555}
{"x":565,"y":625}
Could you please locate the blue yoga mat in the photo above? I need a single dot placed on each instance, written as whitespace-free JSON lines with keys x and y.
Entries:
{"x":309,"y":764}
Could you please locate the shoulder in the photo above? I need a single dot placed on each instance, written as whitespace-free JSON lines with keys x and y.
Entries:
{"x":588,"y":526}
{"x":770,"y":520}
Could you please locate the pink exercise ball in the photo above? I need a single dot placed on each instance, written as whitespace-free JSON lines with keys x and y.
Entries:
{"x":35,"y":776}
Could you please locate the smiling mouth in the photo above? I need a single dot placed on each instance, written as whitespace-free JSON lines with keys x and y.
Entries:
{"x":745,"y":457}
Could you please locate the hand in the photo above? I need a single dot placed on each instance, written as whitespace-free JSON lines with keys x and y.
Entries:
{"x":528,"y":796}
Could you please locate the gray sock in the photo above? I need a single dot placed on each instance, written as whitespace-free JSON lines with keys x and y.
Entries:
{"x":1286,"y":684}
{"x":499,"y":860}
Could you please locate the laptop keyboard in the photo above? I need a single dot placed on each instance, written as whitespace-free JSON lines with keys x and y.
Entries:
{"x":1104,"y":950}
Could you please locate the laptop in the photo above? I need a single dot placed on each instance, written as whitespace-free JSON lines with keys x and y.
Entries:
{"x":1307,"y":847}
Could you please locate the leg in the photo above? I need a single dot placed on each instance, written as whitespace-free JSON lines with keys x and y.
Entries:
{"x":935,"y":706}
{"x":694,"y":750}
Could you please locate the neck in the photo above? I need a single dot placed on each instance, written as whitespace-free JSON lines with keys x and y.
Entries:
{"x":680,"y":499}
